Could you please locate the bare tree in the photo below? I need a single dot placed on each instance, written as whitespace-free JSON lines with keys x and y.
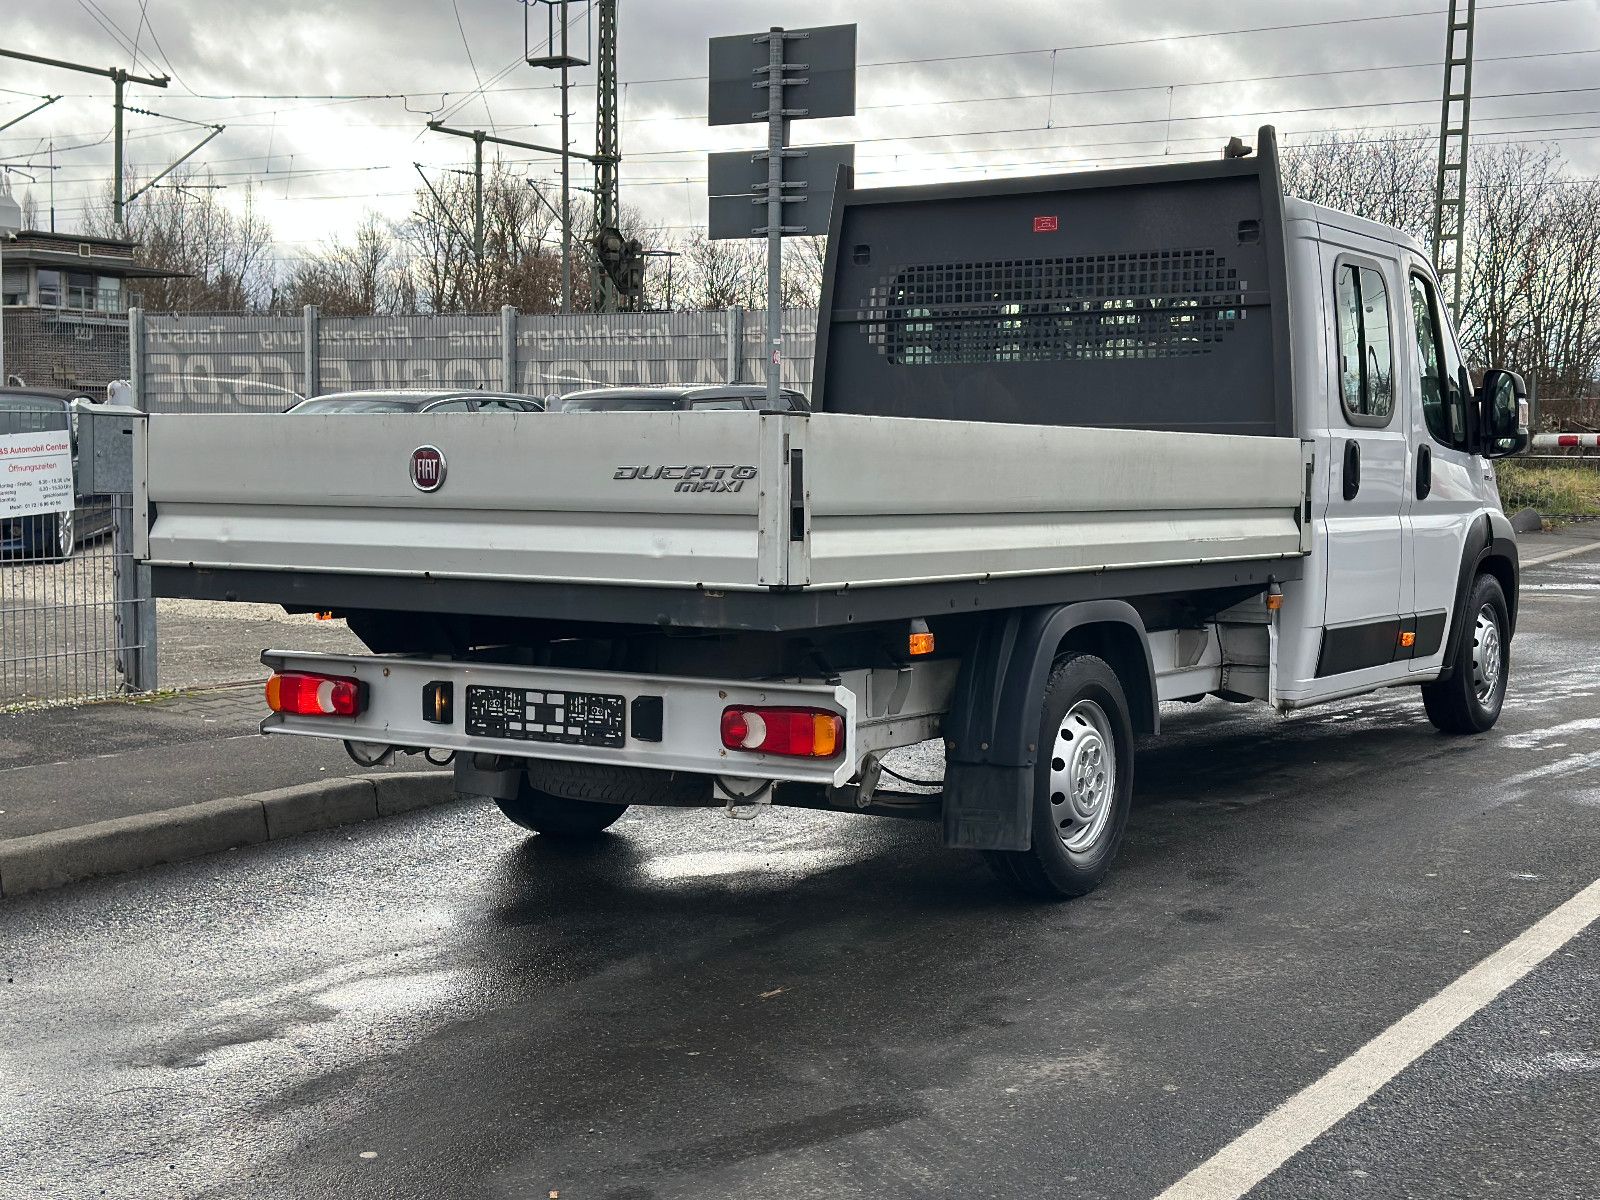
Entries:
{"x":520,"y":261}
{"x":1388,"y":178}
{"x":803,"y":261}
{"x":368,"y":276}
{"x":221,"y":258}
{"x":722,"y":273}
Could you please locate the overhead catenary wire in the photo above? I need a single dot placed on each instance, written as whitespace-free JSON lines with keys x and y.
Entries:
{"x":916,"y":158}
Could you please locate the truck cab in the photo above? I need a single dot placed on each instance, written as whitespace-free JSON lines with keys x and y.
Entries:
{"x":1406,"y":507}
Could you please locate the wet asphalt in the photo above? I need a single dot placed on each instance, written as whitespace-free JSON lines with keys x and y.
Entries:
{"x":814,"y":1005}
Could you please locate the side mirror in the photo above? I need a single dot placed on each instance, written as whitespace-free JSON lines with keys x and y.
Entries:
{"x":1503,"y":413}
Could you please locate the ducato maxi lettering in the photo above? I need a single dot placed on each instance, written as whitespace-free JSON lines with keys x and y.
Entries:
{"x":693,"y":478}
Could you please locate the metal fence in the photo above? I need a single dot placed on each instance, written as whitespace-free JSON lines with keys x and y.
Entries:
{"x":230,"y":363}
{"x":76,"y":618}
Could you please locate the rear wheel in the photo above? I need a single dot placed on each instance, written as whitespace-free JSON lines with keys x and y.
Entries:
{"x":1083,"y":784}
{"x":1468,"y":699}
{"x":558,"y":816}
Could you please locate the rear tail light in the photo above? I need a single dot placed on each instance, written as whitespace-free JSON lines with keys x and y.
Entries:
{"x":795,"y":732}
{"x":308,"y":695}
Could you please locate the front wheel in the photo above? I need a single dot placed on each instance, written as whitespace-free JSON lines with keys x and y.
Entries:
{"x":1468,"y":699}
{"x":1083,"y":784}
{"x":557,"y":816}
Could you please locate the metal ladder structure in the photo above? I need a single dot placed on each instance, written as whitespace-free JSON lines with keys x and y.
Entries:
{"x":1455,"y":120}
{"x":607,"y":148}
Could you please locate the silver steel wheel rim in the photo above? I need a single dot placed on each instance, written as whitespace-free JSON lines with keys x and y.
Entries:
{"x":1083,"y":776}
{"x":1487,"y":654}
{"x":64,"y":532}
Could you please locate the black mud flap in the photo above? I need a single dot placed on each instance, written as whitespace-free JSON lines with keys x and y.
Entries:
{"x":988,"y":807}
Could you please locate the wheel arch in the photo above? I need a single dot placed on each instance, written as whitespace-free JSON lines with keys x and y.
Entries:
{"x":1487,"y":550}
{"x":991,"y":735}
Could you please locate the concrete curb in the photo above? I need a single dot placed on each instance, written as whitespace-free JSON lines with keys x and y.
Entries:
{"x":48,"y":860}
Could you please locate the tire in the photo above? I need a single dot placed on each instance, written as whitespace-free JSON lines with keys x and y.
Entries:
{"x":557,"y":816}
{"x":619,"y":785}
{"x":1469,"y":698}
{"x":1085,"y":728}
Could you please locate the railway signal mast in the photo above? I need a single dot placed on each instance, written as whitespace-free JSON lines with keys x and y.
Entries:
{"x":1455,"y":121}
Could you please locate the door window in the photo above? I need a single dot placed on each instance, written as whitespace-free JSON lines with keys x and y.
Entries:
{"x":732,"y":402}
{"x":1439,"y":374}
{"x":1366,"y":348}
{"x":452,"y":406}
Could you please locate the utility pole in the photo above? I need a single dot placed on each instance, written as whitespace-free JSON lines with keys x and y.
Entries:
{"x":479,"y":137}
{"x":566,"y":170}
{"x":477,"y":201}
{"x":607,"y":142}
{"x":119,"y":79}
{"x":1455,"y":122}
{"x":558,"y":56}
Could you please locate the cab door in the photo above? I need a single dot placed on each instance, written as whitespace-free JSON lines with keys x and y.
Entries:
{"x":1449,"y":482}
{"x":1367,"y":462}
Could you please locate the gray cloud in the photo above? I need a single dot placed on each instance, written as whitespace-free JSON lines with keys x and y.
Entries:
{"x":316,"y":165}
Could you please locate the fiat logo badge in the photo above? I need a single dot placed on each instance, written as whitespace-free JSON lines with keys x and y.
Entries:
{"x":427,"y":469}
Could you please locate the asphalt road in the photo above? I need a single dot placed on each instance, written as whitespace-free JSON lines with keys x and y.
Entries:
{"x":812,"y":1005}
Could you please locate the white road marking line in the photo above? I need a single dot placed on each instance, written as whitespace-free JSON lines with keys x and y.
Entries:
{"x":1310,"y":1113}
{"x":1559,"y":554}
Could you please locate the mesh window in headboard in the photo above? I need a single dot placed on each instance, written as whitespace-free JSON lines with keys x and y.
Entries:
{"x":1137,"y":304}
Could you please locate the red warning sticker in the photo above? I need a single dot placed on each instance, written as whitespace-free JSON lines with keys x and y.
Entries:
{"x":1046,"y":224}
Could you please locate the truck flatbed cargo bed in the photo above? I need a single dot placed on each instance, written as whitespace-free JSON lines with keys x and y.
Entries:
{"x":737,"y":519}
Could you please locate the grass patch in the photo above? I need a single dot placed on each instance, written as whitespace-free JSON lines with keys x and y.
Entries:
{"x":1562,"y":493}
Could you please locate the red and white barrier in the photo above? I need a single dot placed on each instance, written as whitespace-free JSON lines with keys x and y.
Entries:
{"x":1566,"y":441}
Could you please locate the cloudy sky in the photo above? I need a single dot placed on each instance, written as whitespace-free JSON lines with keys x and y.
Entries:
{"x":325,"y":103}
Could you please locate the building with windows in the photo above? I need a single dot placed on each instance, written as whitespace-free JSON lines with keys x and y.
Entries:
{"x":66,"y":298}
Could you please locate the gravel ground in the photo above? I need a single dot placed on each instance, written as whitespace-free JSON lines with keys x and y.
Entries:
{"x":204,"y":642}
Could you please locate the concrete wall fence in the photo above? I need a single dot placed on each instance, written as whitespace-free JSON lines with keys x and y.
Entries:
{"x":185,"y":362}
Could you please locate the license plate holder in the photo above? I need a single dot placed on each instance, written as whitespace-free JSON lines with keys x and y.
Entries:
{"x":535,"y":715}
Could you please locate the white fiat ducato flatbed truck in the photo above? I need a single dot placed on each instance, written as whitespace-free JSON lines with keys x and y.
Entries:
{"x":1081,"y":444}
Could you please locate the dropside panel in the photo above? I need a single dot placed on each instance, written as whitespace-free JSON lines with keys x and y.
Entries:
{"x":896,"y":501}
{"x":654,"y":498}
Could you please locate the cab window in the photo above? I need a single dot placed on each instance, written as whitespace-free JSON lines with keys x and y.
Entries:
{"x":1366,"y":348}
{"x":1444,"y":400}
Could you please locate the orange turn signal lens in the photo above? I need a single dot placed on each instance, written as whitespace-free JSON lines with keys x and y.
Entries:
{"x":1274,"y":602}
{"x":921,"y":643}
{"x":794,"y":732}
{"x":1408,"y":639}
{"x":825,"y":728}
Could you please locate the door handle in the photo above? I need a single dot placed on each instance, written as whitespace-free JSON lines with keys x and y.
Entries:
{"x":1424,"y":472}
{"x":1352,"y":469}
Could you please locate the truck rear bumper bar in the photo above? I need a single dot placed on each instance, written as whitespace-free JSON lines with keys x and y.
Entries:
{"x":670,"y":723}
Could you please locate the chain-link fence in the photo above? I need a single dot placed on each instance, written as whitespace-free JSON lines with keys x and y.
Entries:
{"x":75,"y":622}
{"x":227,"y":363}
